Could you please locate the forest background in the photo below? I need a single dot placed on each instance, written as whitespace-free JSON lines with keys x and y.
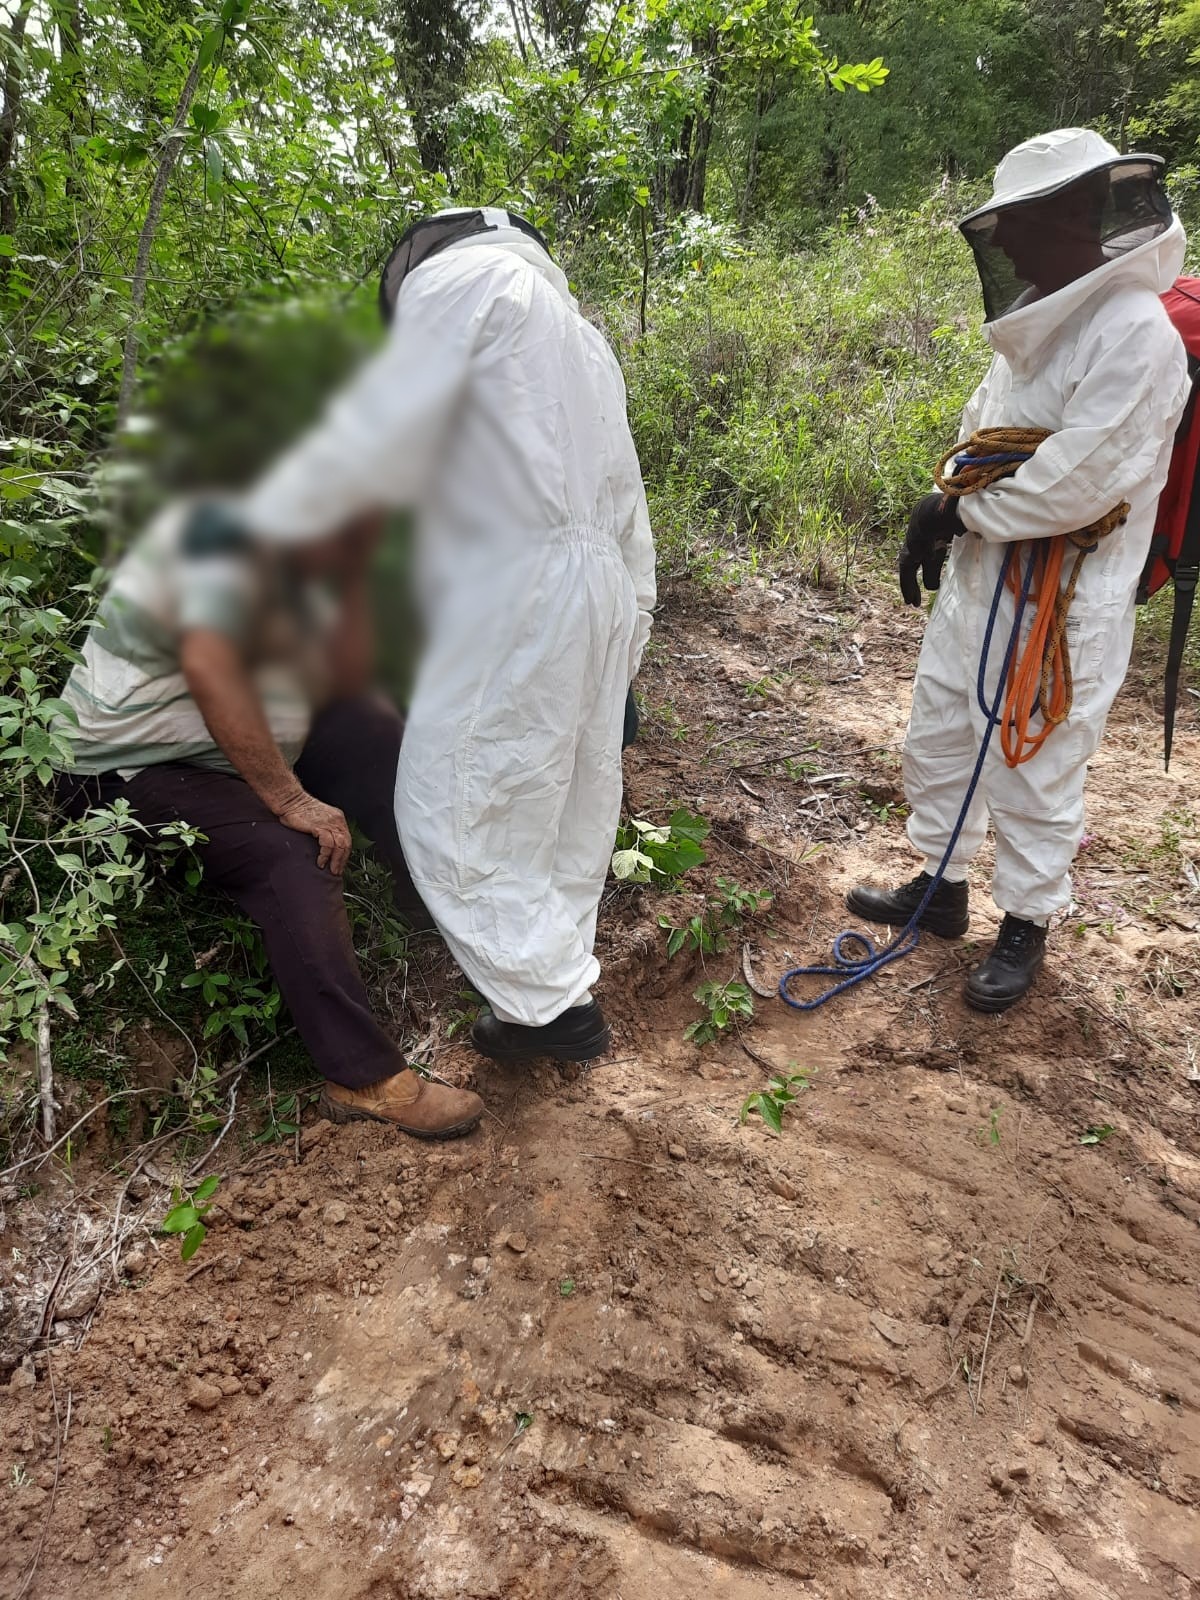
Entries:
{"x":755,"y":204}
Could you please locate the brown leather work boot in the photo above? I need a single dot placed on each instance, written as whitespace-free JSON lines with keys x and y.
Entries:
{"x":413,"y":1104}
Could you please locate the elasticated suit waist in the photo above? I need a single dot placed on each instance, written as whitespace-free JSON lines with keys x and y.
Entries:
{"x":580,"y":533}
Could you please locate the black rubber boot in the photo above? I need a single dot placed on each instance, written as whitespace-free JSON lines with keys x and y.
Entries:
{"x":1008,"y":973}
{"x":580,"y":1034}
{"x":946,"y":914}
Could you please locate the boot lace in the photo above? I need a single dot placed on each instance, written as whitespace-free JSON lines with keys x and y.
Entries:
{"x":1016,"y":937}
{"x":917,"y":886}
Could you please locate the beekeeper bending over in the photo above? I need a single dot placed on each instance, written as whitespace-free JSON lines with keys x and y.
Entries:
{"x":497,"y":414}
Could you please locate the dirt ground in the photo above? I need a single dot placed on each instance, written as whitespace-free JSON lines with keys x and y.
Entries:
{"x":927,"y":1342}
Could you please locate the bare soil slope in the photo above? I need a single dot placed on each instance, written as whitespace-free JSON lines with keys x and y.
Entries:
{"x":925,"y":1343}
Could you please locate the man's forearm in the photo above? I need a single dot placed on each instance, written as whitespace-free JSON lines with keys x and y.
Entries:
{"x":233,"y":714}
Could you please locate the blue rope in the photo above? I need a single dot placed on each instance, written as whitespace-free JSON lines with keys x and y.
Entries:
{"x":1006,"y":459}
{"x":852,"y":970}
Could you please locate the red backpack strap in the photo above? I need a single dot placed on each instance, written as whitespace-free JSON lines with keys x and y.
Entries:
{"x":1158,"y":561}
{"x":1186,"y":574}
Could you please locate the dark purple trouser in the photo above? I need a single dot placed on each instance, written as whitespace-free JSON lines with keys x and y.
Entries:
{"x":271,"y":872}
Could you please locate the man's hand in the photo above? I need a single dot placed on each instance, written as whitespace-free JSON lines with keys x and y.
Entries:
{"x":233,"y":713}
{"x":326,"y":824}
{"x":932,"y":528}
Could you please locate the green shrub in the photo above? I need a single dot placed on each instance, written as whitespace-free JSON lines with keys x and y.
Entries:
{"x":648,"y":853}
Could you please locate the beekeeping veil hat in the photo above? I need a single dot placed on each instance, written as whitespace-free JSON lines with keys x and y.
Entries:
{"x":429,"y":236}
{"x":1063,"y":204}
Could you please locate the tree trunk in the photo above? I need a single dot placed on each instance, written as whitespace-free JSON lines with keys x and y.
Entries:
{"x":645,"y":294}
{"x":701,"y":144}
{"x":68,"y":17}
{"x":430,"y":138}
{"x":9,"y":118}
{"x":530,"y":31}
{"x":677,"y":178}
{"x":763,"y":97}
{"x":172,"y":140}
{"x":516,"y":22}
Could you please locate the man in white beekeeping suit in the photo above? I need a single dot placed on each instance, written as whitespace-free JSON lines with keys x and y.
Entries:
{"x":497,"y":413}
{"x":1073,"y":249}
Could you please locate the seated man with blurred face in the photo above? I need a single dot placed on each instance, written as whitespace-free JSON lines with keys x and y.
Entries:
{"x":225,"y":683}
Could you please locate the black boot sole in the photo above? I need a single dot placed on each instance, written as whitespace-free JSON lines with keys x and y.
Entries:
{"x":598,"y":1044}
{"x":938,"y":923}
{"x":993,"y":1004}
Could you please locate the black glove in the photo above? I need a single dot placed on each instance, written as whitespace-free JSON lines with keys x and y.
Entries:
{"x":932,"y":528}
{"x":632,"y":721}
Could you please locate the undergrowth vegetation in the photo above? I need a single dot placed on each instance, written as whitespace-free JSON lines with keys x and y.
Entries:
{"x":789,"y":407}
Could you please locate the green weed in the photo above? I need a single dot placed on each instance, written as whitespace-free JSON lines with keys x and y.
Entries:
{"x":283,"y":1117}
{"x":470,"y":1008}
{"x":1097,"y":1133}
{"x":771,"y":1103}
{"x":991,"y":1134}
{"x":723,"y":1004}
{"x":187,"y":1215}
{"x":706,"y":933}
{"x":666,"y":718}
{"x":695,"y":935}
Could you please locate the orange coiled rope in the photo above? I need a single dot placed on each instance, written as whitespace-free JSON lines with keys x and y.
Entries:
{"x":1039,"y":675}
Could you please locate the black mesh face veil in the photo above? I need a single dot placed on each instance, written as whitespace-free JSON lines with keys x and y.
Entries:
{"x":1027,"y":249}
{"x":430,"y":236}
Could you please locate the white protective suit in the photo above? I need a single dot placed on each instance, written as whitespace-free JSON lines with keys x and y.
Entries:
{"x":497,"y":412}
{"x":1100,"y":364}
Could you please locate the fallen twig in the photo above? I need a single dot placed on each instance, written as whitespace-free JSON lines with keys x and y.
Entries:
{"x":143,"y":1162}
{"x":753,"y":793}
{"x":772,"y":760}
{"x":8,"y":1173}
{"x":987,"y":1339}
{"x":48,"y":1311}
{"x":754,"y":1055}
{"x":1033,"y":1561}
{"x":629,"y":1161}
{"x":1033,"y":1305}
